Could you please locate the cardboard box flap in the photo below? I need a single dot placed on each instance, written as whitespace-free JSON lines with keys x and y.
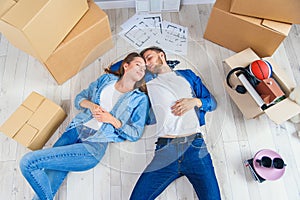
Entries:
{"x":16,"y":15}
{"x":280,"y":27}
{"x":223,"y":5}
{"x":44,"y":23}
{"x":242,"y":58}
{"x":33,"y":101}
{"x":16,"y":121}
{"x":44,"y":135}
{"x":93,"y":17}
{"x":26,"y":135}
{"x":17,"y":38}
{"x":283,"y":111}
{"x":244,"y":102}
{"x":44,"y":115}
{"x":5,"y":5}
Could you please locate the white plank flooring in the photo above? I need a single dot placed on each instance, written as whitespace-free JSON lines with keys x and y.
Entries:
{"x":231,"y":139}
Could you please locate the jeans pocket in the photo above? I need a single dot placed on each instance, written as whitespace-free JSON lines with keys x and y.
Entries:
{"x":198,"y":143}
{"x":159,"y":147}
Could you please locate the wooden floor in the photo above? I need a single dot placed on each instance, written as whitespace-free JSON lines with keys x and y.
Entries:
{"x":231,"y":139}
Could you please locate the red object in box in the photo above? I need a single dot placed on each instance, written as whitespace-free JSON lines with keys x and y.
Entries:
{"x":269,"y":90}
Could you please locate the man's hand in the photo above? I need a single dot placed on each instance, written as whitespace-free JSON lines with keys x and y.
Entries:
{"x":182,"y":106}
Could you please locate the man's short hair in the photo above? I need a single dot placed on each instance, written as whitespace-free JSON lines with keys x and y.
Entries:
{"x":153,"y":48}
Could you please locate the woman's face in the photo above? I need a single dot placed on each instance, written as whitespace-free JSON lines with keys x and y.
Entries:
{"x":136,"y":68}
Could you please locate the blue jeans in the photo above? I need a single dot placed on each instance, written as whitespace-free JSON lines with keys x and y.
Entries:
{"x":46,"y":169}
{"x":173,"y":160}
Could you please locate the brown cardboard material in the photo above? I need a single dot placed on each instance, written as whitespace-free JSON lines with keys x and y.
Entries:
{"x":38,"y":27}
{"x":269,"y":90}
{"x":88,"y":40}
{"x":34,"y":122}
{"x":237,"y":32}
{"x":279,"y":112}
{"x":278,"y":10}
{"x":5,"y":5}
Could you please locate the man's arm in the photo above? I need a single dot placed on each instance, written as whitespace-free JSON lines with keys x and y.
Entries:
{"x":203,"y":99}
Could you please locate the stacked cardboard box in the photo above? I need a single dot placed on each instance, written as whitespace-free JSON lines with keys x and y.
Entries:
{"x":34,"y":122}
{"x":52,"y":29}
{"x":238,"y":32}
{"x":277,"y":10}
{"x":279,"y":112}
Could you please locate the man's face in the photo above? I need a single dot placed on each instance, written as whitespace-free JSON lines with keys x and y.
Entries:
{"x":153,"y":61}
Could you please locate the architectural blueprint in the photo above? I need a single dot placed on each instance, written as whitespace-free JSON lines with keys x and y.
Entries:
{"x":143,"y":31}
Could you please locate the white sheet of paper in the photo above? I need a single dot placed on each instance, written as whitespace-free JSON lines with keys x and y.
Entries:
{"x":143,"y":31}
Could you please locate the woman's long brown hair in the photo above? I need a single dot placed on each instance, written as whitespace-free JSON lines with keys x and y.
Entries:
{"x":120,"y":72}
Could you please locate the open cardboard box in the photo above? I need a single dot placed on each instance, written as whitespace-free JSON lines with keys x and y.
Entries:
{"x":88,"y":40}
{"x":237,"y":32}
{"x":34,"y":122}
{"x":278,"y":10}
{"x":279,"y":112}
{"x":38,"y":27}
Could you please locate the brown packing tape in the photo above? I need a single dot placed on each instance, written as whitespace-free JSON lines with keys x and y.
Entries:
{"x":16,"y":121}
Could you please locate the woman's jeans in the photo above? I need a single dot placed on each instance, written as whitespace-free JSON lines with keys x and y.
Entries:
{"x":46,"y":169}
{"x":173,"y":160}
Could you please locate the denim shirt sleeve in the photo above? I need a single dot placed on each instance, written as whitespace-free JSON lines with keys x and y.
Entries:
{"x":89,"y":92}
{"x":208,"y":101}
{"x":133,"y":129}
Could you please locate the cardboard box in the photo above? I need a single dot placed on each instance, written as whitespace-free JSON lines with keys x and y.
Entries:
{"x":279,"y":112}
{"x":88,"y":40}
{"x":278,"y":10}
{"x":37,"y":27}
{"x":237,"y":32}
{"x":34,"y":122}
{"x":5,"y":5}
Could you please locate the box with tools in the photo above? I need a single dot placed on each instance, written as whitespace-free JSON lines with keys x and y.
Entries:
{"x":278,"y":112}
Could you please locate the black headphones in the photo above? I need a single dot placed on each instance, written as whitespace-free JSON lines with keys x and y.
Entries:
{"x":240,"y":88}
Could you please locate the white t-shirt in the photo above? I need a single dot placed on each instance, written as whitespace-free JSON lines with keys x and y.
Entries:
{"x":163,"y":92}
{"x":108,"y":98}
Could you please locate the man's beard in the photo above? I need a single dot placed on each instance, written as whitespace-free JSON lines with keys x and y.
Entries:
{"x":158,"y":66}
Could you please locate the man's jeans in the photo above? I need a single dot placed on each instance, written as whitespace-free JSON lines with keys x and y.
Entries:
{"x":46,"y":169}
{"x":173,"y":160}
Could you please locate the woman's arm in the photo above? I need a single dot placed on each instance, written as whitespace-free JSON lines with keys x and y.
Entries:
{"x":88,"y":93}
{"x":132,"y":129}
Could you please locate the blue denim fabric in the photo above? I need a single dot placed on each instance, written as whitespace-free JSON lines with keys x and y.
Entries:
{"x":131,"y":109}
{"x":173,"y":160}
{"x":199,"y":91}
{"x":46,"y":169}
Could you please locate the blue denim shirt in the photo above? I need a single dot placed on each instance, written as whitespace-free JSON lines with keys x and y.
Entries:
{"x":131,"y":109}
{"x":199,"y":91}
